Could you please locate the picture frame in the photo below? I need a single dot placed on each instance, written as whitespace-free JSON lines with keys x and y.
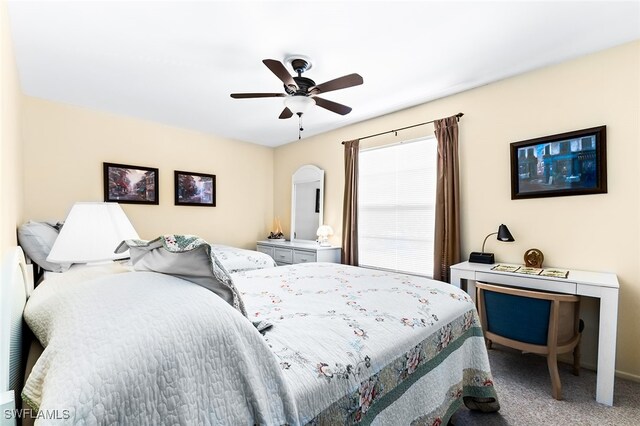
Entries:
{"x":571,"y":163}
{"x":127,"y":184}
{"x":194,"y":189}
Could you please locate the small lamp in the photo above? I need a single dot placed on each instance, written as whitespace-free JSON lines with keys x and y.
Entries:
{"x":324,"y":232}
{"x":91,"y":233}
{"x":482,"y":257}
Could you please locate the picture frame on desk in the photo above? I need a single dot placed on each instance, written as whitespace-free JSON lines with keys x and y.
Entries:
{"x":571,"y":163}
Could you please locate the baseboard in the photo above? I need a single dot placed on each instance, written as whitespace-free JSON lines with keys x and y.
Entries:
{"x":566,"y":359}
{"x":628,"y":376}
{"x":619,"y":374}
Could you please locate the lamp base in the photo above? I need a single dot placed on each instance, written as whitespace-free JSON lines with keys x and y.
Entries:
{"x":477,"y":257}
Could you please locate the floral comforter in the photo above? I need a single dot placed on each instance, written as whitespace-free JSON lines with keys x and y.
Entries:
{"x":238,"y":260}
{"x":360,"y":346}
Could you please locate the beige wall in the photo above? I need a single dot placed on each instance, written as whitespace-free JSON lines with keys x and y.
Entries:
{"x":592,"y":232}
{"x":10,"y":146}
{"x":65,"y":146}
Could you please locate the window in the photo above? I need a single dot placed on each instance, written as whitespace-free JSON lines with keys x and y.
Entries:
{"x":396,"y":200}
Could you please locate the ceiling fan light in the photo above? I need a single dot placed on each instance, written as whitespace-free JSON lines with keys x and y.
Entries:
{"x":298,"y":104}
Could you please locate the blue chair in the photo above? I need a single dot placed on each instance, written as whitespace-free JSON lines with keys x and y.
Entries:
{"x":532,"y":321}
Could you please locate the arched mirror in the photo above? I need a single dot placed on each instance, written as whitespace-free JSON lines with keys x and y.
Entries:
{"x":307,"y":195}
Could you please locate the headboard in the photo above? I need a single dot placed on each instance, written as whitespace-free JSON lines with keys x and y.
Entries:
{"x":13,"y":297}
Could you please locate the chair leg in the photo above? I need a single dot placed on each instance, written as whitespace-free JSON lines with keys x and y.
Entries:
{"x":576,"y":360}
{"x":489,"y":343}
{"x":556,"y":386}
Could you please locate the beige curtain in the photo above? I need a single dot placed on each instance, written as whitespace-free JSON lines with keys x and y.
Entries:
{"x":350,"y":204}
{"x":447,"y":230}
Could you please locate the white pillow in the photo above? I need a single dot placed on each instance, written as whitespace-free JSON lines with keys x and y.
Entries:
{"x":37,"y":239}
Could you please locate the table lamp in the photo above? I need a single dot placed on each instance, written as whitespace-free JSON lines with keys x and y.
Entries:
{"x":91,"y":233}
{"x":482,"y":257}
{"x":324,"y":232}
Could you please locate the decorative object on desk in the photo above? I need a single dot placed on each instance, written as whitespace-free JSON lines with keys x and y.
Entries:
{"x":505,"y":268}
{"x":488,"y":258}
{"x":572,"y":163}
{"x":276,"y":235}
{"x":324,"y":232}
{"x":194,"y":189}
{"x":533,"y":258}
{"x":528,"y":270}
{"x":554,"y":272}
{"x":91,"y":233}
{"x":130,"y":184}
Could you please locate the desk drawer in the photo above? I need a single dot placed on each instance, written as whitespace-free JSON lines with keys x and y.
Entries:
{"x":282,"y":255}
{"x":304,"y":256}
{"x":528,"y":282}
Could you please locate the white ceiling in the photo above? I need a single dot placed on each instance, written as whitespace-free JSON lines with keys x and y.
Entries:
{"x":177,"y":62}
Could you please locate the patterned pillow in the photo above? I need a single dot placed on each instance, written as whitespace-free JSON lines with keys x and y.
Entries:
{"x":187,"y":257}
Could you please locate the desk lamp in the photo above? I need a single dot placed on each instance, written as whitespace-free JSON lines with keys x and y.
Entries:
{"x":482,"y":257}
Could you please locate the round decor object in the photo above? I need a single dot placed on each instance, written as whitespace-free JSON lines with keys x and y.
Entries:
{"x":533,"y":258}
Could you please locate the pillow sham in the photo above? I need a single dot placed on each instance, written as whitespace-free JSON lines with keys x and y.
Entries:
{"x":37,"y":239}
{"x":184,"y":256}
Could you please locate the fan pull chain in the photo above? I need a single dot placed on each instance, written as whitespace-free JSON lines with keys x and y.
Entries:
{"x":300,"y":129}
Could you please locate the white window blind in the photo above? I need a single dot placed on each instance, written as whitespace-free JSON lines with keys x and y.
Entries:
{"x":396,"y":199}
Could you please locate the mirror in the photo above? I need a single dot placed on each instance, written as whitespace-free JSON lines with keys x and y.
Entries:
{"x":307,"y":195}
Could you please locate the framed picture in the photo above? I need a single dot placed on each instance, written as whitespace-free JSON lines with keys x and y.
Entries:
{"x":130,"y":184}
{"x":572,"y":163}
{"x":195,"y":189}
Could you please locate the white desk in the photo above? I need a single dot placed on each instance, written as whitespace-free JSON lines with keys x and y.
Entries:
{"x":603,"y":286}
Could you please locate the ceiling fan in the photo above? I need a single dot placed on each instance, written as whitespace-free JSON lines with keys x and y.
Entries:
{"x":302,"y":92}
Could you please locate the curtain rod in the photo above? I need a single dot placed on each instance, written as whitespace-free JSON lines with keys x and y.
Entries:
{"x":458,"y":115}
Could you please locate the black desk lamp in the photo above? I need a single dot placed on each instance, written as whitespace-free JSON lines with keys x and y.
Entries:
{"x":482,"y":257}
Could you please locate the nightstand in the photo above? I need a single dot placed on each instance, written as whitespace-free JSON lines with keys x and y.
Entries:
{"x":291,"y":252}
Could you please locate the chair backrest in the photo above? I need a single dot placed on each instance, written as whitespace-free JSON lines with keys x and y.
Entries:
{"x":524,"y":315}
{"x":517,"y":317}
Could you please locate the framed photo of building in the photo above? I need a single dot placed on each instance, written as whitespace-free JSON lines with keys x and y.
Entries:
{"x":572,"y":163}
{"x":130,"y":184}
{"x":195,"y":189}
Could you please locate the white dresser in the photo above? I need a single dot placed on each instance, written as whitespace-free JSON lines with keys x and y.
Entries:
{"x":290,"y":252}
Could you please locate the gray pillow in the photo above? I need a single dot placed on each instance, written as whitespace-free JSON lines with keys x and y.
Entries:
{"x":37,"y":239}
{"x":187,"y":257}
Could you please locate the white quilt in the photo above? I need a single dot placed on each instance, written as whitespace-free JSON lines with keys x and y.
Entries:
{"x":144,"y":348}
{"x":237,"y":260}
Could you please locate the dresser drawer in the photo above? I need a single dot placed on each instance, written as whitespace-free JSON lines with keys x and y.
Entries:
{"x":265,"y":250}
{"x":304,"y":256}
{"x":282,"y":255}
{"x":530,"y":283}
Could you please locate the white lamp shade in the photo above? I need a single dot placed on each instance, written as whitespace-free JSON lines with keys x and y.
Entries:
{"x":298,"y":103}
{"x":91,"y":233}
{"x":324,"y":231}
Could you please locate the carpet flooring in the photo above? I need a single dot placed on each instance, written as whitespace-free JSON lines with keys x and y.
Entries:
{"x":524,"y":391}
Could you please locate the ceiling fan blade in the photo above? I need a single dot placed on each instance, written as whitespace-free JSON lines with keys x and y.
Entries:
{"x":257,"y":95}
{"x":281,"y":72}
{"x":286,"y":113}
{"x":338,"y":83}
{"x":332,"y":106}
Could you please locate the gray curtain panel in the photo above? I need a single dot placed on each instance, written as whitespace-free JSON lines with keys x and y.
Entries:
{"x":447,"y":227}
{"x":350,"y":204}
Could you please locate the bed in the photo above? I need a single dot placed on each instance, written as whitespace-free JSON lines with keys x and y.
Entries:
{"x":347,"y":345}
{"x":37,"y":239}
{"x":238,"y":260}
